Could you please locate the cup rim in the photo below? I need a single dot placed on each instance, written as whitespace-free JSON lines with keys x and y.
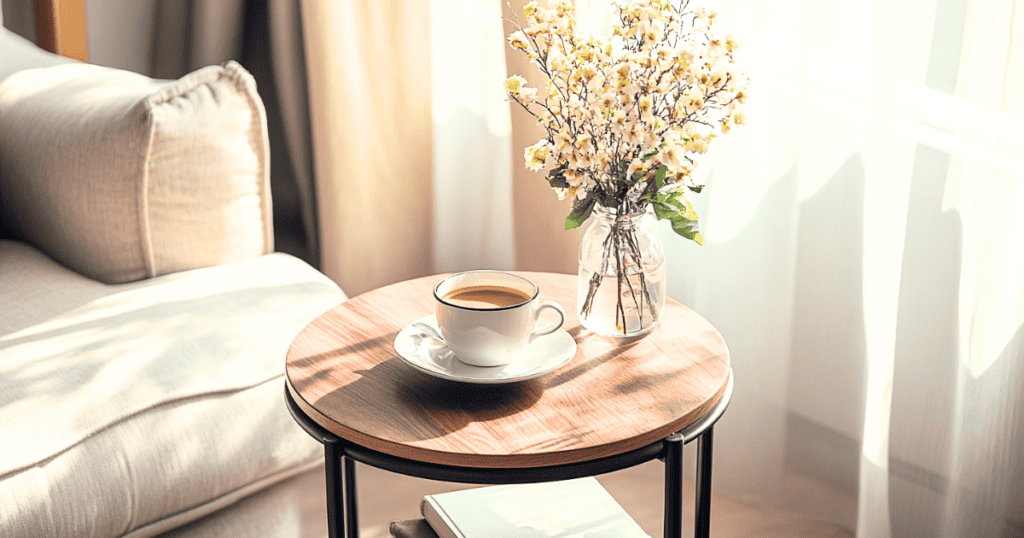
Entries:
{"x":437,"y":296}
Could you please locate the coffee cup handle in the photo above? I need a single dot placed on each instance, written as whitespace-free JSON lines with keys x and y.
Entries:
{"x":536,"y":318}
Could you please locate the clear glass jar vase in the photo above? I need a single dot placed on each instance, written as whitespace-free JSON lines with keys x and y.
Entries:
{"x":621,"y":290}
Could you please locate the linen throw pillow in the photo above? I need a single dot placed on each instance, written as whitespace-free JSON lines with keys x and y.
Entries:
{"x":121,"y":177}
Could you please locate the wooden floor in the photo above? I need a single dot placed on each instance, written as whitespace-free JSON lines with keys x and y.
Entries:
{"x":295,"y":508}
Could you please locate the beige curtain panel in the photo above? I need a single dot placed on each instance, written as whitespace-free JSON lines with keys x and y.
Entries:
{"x":369,"y":96}
{"x":369,"y":72}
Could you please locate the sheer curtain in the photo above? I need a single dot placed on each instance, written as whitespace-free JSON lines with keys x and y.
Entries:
{"x":864,"y":243}
{"x":863,"y":258}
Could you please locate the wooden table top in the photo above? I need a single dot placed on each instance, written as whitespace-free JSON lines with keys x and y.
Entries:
{"x":608,"y":399}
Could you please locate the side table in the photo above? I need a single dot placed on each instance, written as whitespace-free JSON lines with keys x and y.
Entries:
{"x":612,"y":406}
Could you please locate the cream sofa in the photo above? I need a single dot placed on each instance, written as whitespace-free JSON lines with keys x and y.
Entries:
{"x":144,"y":317}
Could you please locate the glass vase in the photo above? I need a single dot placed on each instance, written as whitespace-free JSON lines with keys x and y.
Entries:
{"x":621,"y":289}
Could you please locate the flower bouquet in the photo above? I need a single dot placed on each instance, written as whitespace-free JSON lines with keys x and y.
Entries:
{"x":626,"y":118}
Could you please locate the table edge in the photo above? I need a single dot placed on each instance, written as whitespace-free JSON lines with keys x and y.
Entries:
{"x":500,"y":461}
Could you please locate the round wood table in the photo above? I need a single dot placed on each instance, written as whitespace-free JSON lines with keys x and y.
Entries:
{"x":613,"y":405}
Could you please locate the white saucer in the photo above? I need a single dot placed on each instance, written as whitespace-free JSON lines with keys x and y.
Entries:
{"x":431,"y":357}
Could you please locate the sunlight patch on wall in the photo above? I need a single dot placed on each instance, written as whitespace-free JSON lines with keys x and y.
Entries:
{"x":972,"y":131}
{"x":468,"y":62}
{"x":986,"y":188}
{"x":744,"y":165}
{"x":992,"y":274}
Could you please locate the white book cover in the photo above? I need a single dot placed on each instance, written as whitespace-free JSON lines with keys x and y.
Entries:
{"x":579,"y":508}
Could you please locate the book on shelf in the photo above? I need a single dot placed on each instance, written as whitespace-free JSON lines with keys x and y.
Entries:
{"x":412,"y":528}
{"x":579,"y":508}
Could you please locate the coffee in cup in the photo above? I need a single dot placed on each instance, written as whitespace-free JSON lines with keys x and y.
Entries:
{"x":488,"y":318}
{"x":486,"y":296}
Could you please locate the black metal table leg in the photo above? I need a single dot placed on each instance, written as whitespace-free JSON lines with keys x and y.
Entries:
{"x":335,"y":508}
{"x":703,"y":501}
{"x":674,"y":485}
{"x":351,"y":509}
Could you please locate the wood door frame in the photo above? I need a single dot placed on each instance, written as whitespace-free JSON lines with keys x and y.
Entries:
{"x":61,"y":28}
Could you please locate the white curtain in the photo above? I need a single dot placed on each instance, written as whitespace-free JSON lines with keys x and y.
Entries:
{"x":472,"y":137}
{"x":864,"y":246}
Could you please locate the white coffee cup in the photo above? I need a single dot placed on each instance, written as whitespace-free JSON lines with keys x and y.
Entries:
{"x":488,"y":318}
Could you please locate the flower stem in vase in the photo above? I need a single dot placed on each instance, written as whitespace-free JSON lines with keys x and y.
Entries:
{"x":633,"y":310}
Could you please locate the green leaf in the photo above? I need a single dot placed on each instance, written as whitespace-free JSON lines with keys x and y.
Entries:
{"x":695,"y":188}
{"x":689,"y":213}
{"x":664,"y":211}
{"x":674,"y":202}
{"x":580,"y":212}
{"x":659,"y":177}
{"x":557,"y":179}
{"x":684,"y":223}
{"x":688,"y":229}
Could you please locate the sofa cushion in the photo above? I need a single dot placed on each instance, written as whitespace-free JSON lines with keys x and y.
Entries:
{"x":130,"y":409}
{"x":16,"y":54}
{"x":121,"y":177}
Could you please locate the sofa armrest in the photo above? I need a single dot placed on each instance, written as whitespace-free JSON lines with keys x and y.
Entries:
{"x":121,"y":177}
{"x":18,"y":54}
